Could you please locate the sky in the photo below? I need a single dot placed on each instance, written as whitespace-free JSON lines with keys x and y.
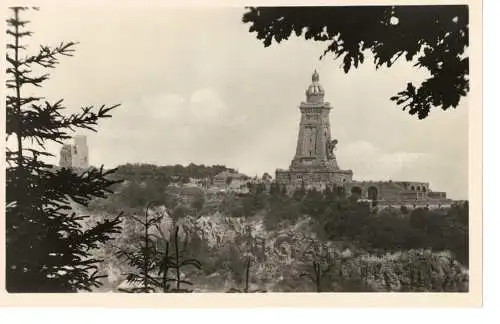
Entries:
{"x":195,"y":86}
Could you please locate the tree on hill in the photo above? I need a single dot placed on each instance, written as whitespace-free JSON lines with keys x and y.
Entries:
{"x":47,"y":247}
{"x":435,"y":36}
{"x":143,"y":259}
{"x":198,"y":203}
{"x":299,"y":193}
{"x":175,"y":260}
{"x":313,"y":203}
{"x":157,"y":255}
{"x":168,"y":173}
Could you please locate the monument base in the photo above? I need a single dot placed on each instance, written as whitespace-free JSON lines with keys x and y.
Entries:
{"x":313,"y":178}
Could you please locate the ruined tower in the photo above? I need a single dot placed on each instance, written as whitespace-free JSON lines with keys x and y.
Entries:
{"x":65,"y":160}
{"x":80,"y":152}
{"x":75,"y":155}
{"x":314,"y":163}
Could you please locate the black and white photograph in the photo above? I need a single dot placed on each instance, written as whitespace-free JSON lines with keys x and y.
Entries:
{"x":238,"y":149}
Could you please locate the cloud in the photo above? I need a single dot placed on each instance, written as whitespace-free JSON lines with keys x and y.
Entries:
{"x":193,"y":97}
{"x":166,"y":106}
{"x":208,"y":109}
{"x":370,"y":162}
{"x":168,"y":128}
{"x":206,"y":106}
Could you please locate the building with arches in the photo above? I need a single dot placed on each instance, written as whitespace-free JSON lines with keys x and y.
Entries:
{"x":315,"y":164}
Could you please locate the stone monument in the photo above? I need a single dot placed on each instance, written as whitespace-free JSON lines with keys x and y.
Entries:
{"x":314,"y":163}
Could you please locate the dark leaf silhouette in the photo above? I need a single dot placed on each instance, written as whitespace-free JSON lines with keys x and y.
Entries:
{"x":436,"y":36}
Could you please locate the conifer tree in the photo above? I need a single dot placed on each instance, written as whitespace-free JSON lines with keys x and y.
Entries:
{"x":47,"y":247}
{"x":180,"y":260}
{"x":248,"y":248}
{"x":143,"y":259}
{"x":316,"y":276}
{"x":246,"y":289}
{"x":157,"y":255}
{"x":318,"y":255}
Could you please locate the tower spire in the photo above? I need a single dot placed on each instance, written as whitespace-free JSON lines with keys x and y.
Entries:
{"x":315,"y":76}
{"x":315,"y":92}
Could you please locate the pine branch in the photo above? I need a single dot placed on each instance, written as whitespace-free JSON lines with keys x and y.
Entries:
{"x":44,"y":123}
{"x":48,"y":250}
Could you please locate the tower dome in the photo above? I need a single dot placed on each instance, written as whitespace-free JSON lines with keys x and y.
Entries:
{"x":315,"y":92}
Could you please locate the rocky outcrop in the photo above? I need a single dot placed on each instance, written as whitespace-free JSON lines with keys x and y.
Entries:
{"x":278,"y":258}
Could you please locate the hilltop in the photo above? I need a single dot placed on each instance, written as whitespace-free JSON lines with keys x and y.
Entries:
{"x":281,"y":235}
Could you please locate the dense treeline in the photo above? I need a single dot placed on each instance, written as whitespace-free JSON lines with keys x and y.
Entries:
{"x":169,"y":173}
{"x":339,"y":217}
{"x":336,"y":216}
{"x":48,"y":249}
{"x":142,"y":183}
{"x":133,"y":195}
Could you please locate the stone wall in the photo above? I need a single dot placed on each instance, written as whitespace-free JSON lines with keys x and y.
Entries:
{"x":436,"y":195}
{"x":389,"y":190}
{"x":314,"y":178}
{"x":446,"y":203}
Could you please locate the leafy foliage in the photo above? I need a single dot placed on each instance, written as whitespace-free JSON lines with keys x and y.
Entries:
{"x":341,"y":218}
{"x":366,"y":249}
{"x":169,"y":173}
{"x":282,"y":209}
{"x":392,"y":231}
{"x":434,"y":36}
{"x":246,"y":251}
{"x":245,"y":204}
{"x":246,"y":288}
{"x":48,"y":247}
{"x":132,"y":195}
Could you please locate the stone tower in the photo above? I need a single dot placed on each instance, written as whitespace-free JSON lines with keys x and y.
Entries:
{"x":314,"y":143}
{"x":80,"y":152}
{"x":314,"y":163}
{"x":65,"y":160}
